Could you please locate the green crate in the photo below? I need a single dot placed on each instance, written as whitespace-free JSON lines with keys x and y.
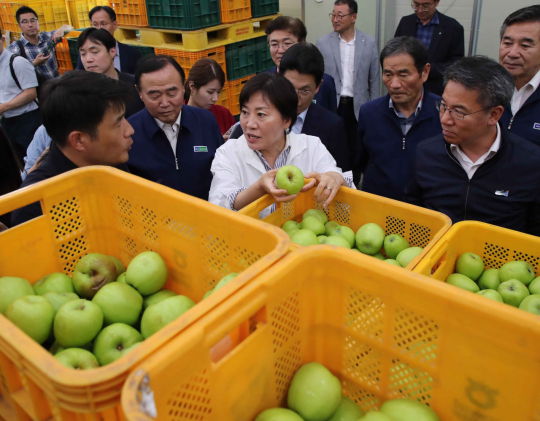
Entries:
{"x":240,"y":59}
{"x":145,"y":51}
{"x":183,"y":14}
{"x":264,"y":7}
{"x":73,"y":51}
{"x":263,"y":59}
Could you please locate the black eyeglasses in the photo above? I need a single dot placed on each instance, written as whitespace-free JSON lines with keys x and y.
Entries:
{"x":455,"y":114}
{"x":424,"y":7}
{"x":338,"y":17}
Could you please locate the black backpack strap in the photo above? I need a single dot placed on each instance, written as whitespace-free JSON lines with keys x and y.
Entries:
{"x":14,"y":76}
{"x":22,"y":52}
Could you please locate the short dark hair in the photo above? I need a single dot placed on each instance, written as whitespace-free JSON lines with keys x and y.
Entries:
{"x":353,"y":6}
{"x":275,"y":89}
{"x":110,"y":12}
{"x":152,"y":63}
{"x":528,"y":14}
{"x":203,"y":72}
{"x":23,"y":10}
{"x":406,"y":45}
{"x":306,"y":59}
{"x":494,"y":84}
{"x":289,"y":24}
{"x":99,"y":36}
{"x":79,"y":100}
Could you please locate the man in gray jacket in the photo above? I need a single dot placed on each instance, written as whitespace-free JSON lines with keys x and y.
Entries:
{"x":351,"y":58}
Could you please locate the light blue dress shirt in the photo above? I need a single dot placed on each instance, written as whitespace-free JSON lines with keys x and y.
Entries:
{"x":299,"y":125}
{"x":40,"y":142}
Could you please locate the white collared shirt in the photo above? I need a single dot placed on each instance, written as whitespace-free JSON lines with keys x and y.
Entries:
{"x":471,"y":167}
{"x":116,"y":60}
{"x":171,"y":131}
{"x":347,"y":65}
{"x":520,"y":97}
{"x":299,"y":124}
{"x":236,"y":166}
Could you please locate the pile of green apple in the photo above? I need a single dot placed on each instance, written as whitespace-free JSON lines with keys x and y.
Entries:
{"x":514,"y":283}
{"x":315,"y":395}
{"x":100,"y":314}
{"x":370,"y":238}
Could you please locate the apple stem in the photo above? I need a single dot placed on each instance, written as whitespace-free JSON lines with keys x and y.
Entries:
{"x":120,"y":347}
{"x":82,"y":307}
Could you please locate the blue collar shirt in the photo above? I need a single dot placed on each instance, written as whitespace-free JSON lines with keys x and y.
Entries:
{"x":425,"y":32}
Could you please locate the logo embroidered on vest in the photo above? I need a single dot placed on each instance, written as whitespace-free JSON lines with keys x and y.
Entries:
{"x":200,"y":149}
{"x":504,"y":193}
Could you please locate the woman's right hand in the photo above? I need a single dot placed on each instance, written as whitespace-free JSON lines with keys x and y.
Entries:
{"x":268,"y":183}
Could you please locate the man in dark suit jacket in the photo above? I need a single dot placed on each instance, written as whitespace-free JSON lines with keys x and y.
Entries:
{"x":442,"y":35}
{"x":126,"y":57}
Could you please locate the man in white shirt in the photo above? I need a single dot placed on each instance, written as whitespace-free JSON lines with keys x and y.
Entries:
{"x":519,"y":53}
{"x":18,"y":107}
{"x":351,"y":58}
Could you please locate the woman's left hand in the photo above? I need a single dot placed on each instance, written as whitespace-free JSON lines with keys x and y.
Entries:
{"x":327,"y":184}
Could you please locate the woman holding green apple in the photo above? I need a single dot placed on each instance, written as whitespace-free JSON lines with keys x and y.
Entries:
{"x":245,"y":169}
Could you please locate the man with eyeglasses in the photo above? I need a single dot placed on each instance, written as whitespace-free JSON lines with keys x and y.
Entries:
{"x":37,"y":47}
{"x":352,"y":59}
{"x":126,"y":57}
{"x":477,"y":170}
{"x":442,"y":35}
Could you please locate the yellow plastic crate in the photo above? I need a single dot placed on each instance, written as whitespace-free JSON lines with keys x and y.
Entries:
{"x":52,"y":14}
{"x":421,"y":227}
{"x":78,"y":11}
{"x":384,"y":332}
{"x":101,"y":209}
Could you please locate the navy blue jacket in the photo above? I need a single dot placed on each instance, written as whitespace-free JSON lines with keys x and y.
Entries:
{"x":152,"y":157}
{"x":526,"y":122}
{"x":385,"y":155}
{"x":328,"y":127}
{"x":326,"y":97}
{"x":129,"y":57}
{"x":503,"y":191}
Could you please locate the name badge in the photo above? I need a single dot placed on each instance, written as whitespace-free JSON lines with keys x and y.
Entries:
{"x":536,"y":126}
{"x":200,"y":149}
{"x":504,"y":193}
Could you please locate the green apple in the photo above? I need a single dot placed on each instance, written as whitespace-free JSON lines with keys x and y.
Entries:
{"x":379,"y":256}
{"x":114,"y":341}
{"x":314,"y":393}
{"x":393,"y":262}
{"x":120,"y":268}
{"x":347,"y":410}
{"x":534,"y":286}
{"x":376,"y":416}
{"x":278,"y":414}
{"x":408,"y":410}
{"x":370,"y":238}
{"x":408,"y":255}
{"x":471,"y":265}
{"x":489,"y":279}
{"x":58,"y":300}
{"x":290,"y":178}
{"x":290,"y":225}
{"x":463,"y":282}
{"x":317,"y":213}
{"x":225,"y":280}
{"x":336,"y":240}
{"x":158,"y":297}
{"x":292,"y":231}
{"x":207,"y":294}
{"x":345,"y":232}
{"x":34,"y":315}
{"x":329,"y":227}
{"x":56,"y":348}
{"x":77,"y":323}
{"x":12,"y":288}
{"x":92,"y":272}
{"x":159,"y":315}
{"x":55,"y":282}
{"x":355,"y":249}
{"x":531,"y":304}
{"x":121,"y":278}
{"x":394,"y":244}
{"x":312,"y":223}
{"x":491,"y":294}
{"x":147,"y":273}
{"x":119,"y":303}
{"x":513,"y":292}
{"x":78,"y":359}
{"x":304,"y":238}
{"x":321,"y":238}
{"x":520,"y":270}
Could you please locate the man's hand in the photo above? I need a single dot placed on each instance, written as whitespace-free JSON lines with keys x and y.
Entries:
{"x":40,"y":59}
{"x":58,"y":34}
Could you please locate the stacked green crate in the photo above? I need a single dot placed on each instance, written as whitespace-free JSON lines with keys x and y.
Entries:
{"x":145,"y":51}
{"x":263,"y":59}
{"x":264,"y":7}
{"x":240,"y":59}
{"x":73,"y":51}
{"x":183,"y":14}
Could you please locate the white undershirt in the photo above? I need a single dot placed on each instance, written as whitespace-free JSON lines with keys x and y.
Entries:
{"x":171,"y":131}
{"x":471,"y":167}
{"x":347,"y":65}
{"x":520,"y":97}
